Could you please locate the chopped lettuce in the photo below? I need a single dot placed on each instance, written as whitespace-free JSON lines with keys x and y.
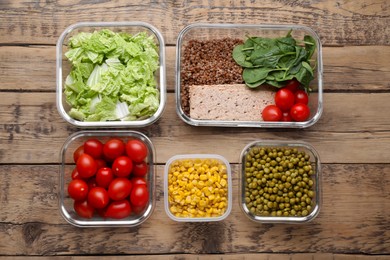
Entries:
{"x":112,"y":76}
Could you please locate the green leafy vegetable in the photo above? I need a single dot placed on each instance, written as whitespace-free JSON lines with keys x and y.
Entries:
{"x":273,"y":61}
{"x":112,"y":76}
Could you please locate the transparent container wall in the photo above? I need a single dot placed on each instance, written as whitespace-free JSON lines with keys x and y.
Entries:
{"x":67,"y":165}
{"x":219,"y":31}
{"x":64,"y":67}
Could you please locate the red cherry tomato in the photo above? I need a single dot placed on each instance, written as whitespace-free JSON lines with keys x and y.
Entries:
{"x":118,"y":209}
{"x":86,"y":166}
{"x":284,"y":99}
{"x":83,"y":209}
{"x":138,"y":210}
{"x":292,"y":85}
{"x":94,"y":148}
{"x":75,"y":174}
{"x":140,"y":169}
{"x":301,"y":97}
{"x":98,"y":198}
{"x":119,"y":188}
{"x":92,"y":183}
{"x":136,"y":150}
{"x":104,"y":176}
{"x":100,"y":163}
{"x":271,"y":113}
{"x":139,"y":196}
{"x":138,"y":181}
{"x":122,"y":166}
{"x":300,"y":112}
{"x":286,"y":117}
{"x":79,"y":151}
{"x":113,"y":148}
{"x":78,"y":189}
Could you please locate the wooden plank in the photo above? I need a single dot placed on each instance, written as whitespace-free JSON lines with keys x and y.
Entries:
{"x":355,"y":68}
{"x":341,"y":23}
{"x":346,"y":133}
{"x":354,"y":219}
{"x":247,"y":256}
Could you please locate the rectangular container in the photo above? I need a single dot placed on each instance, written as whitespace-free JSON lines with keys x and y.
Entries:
{"x":67,"y":165}
{"x":64,"y":67}
{"x":241,"y":31}
{"x":221,"y":160}
{"x":315,"y":178}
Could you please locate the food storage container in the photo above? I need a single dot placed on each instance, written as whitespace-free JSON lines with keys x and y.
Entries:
{"x":233,"y":107}
{"x":280,"y":181}
{"x":120,"y":118}
{"x":67,"y":165}
{"x":197,"y":188}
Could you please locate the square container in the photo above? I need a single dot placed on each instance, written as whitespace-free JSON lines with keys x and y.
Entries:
{"x":241,"y":31}
{"x":264,"y":183}
{"x":67,"y":165}
{"x":64,"y":67}
{"x":197,"y":160}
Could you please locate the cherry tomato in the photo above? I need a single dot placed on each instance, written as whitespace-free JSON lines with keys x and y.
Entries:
{"x":138,"y":210}
{"x":292,"y":85}
{"x":113,"y":148}
{"x":118,"y":209}
{"x":98,"y":198}
{"x":286,"y":117}
{"x":139,"y":196}
{"x":138,"y":181}
{"x":104,"y":176}
{"x":140,"y":169}
{"x":300,"y":112}
{"x":119,"y":188}
{"x":122,"y":166}
{"x":83,"y":209}
{"x":86,"y":166}
{"x":79,"y":151}
{"x":75,"y":174}
{"x":78,"y":189}
{"x":92,"y":183}
{"x":94,"y":148}
{"x":136,"y":150}
{"x":100,"y":163}
{"x":284,"y":99}
{"x":301,"y":97}
{"x":271,"y":113}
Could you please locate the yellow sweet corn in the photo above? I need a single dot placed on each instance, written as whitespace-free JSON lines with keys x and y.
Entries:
{"x":197,"y":188}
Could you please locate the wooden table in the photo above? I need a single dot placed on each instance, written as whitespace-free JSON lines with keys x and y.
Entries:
{"x":352,"y":136}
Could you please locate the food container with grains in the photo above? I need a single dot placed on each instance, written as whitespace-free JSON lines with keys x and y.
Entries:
{"x":111,"y":74}
{"x":197,"y":188}
{"x":280,"y":182}
{"x":228,"y":74}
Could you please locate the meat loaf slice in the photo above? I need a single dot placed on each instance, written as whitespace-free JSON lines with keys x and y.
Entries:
{"x":234,"y":102}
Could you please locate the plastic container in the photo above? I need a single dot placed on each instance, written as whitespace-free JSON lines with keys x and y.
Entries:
{"x":241,"y":31}
{"x":64,"y":67}
{"x":197,"y":158}
{"x":67,"y":165}
{"x":316,"y":188}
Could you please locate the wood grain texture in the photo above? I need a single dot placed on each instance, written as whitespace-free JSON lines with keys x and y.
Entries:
{"x":346,"y":133}
{"x":339,"y":23}
{"x":354,"y":219}
{"x":243,"y":256}
{"x":354,"y":68}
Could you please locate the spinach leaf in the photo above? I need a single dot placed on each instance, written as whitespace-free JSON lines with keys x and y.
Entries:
{"x":273,"y":61}
{"x":240,"y":57}
{"x":252,"y":75}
